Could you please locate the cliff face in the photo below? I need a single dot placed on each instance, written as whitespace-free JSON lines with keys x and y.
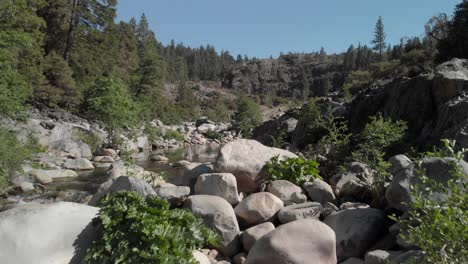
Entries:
{"x":434,"y":105}
{"x":288,"y":76}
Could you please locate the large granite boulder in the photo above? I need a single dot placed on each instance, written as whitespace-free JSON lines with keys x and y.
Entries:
{"x":398,"y":193}
{"x":310,"y":210}
{"x":253,"y":234}
{"x":120,"y":184}
{"x":46,"y":233}
{"x":245,"y":159}
{"x":319,"y":191}
{"x":78,"y":164}
{"x":288,"y":192}
{"x":258,"y":208}
{"x":356,"y":230}
{"x":218,"y":214}
{"x":298,"y":242}
{"x":219,"y":184}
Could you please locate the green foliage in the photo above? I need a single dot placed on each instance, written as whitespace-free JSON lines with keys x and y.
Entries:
{"x":439,"y":228}
{"x":93,"y":140}
{"x":416,"y":61}
{"x":110,"y":103}
{"x":295,"y":170}
{"x":248,"y":116}
{"x":355,"y":81}
{"x":20,"y":52}
{"x":153,"y":132}
{"x":172,"y":134}
{"x":378,"y":134}
{"x":213,"y":135}
{"x":384,"y":69}
{"x":139,"y":230}
{"x":61,"y":88}
{"x":12,"y":154}
{"x":335,"y":144}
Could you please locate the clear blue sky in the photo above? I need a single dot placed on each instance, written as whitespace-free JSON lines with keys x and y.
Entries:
{"x":266,"y":27}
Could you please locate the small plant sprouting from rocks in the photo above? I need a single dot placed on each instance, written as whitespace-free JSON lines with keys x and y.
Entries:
{"x":172,"y":134}
{"x":213,"y":135}
{"x":439,"y":226}
{"x":144,"y":230}
{"x":377,"y":136}
{"x":295,"y":170}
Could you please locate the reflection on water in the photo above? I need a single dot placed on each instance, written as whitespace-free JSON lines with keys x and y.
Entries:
{"x":90,"y":180}
{"x":195,"y":153}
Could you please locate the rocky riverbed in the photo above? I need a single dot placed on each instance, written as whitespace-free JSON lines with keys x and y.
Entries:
{"x":259,"y":221}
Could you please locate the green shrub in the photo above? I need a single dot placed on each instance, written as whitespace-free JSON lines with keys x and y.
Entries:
{"x":295,"y":170}
{"x":439,"y":228}
{"x":153,"y":133}
{"x":355,"y":81}
{"x":93,"y":140}
{"x":172,"y":134}
{"x":139,"y":230}
{"x":378,"y":134}
{"x":248,"y":116}
{"x":213,"y":135}
{"x":384,"y":69}
{"x":12,"y":154}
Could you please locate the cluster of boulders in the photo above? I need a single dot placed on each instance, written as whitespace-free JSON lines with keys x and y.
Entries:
{"x":258,"y":221}
{"x":196,"y":133}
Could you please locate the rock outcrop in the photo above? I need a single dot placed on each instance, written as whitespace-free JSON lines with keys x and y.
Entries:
{"x":245,"y":159}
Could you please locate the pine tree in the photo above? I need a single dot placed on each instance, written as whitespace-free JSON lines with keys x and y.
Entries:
{"x":21,"y":37}
{"x":379,"y":37}
{"x":456,"y":43}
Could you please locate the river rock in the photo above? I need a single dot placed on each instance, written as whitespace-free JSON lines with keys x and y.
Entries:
{"x":107,"y":152}
{"x":104,"y":159}
{"x":41,"y":176}
{"x":288,"y":192}
{"x":381,"y":256}
{"x":297,"y":242}
{"x":122,"y":183}
{"x":190,"y":174}
{"x":319,"y":191}
{"x":253,"y":234}
{"x":78,"y":164}
{"x":200,"y":257}
{"x":74,"y":147}
{"x":173,"y":194}
{"x":219,"y":184}
{"x":159,"y":158}
{"x":119,"y":168}
{"x":437,"y":169}
{"x":46,"y":233}
{"x":218,"y":214}
{"x":245,"y":159}
{"x":258,"y":208}
{"x":353,"y":237}
{"x":310,"y":210}
{"x":240,"y":258}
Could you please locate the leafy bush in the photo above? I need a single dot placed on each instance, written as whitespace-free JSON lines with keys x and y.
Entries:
{"x":110,"y":103}
{"x":295,"y":170}
{"x":93,"y":140}
{"x":139,"y":230}
{"x":12,"y":154}
{"x":213,"y":135}
{"x":355,"y":81}
{"x":439,"y":228}
{"x":384,"y":69}
{"x":152,"y":132}
{"x":378,"y":134}
{"x":248,"y":116}
{"x":172,"y":134}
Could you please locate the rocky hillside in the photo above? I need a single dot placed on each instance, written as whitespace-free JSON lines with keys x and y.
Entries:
{"x":434,"y":105}
{"x":288,"y":75}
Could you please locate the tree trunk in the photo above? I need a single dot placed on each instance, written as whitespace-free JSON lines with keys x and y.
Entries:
{"x":71,"y":32}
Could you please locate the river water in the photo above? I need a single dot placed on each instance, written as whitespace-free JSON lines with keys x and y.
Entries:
{"x":89,"y":181}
